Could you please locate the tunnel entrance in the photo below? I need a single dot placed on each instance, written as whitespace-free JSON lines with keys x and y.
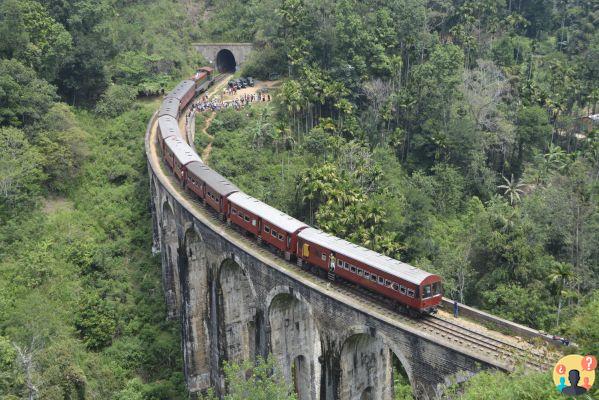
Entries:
{"x":225,"y":61}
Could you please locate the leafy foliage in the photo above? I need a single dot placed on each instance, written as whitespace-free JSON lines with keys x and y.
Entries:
{"x":260,"y":381}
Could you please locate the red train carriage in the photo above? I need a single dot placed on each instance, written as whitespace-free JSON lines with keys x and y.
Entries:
{"x":409,"y":286}
{"x":210,"y":186}
{"x":183,"y":92}
{"x":266,"y":222}
{"x":167,"y":127}
{"x":178,"y":154}
{"x":170,"y":107}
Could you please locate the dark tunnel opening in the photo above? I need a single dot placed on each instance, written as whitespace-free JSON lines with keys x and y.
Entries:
{"x":225,"y":61}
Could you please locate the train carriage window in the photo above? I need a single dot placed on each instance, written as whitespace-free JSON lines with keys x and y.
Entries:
{"x":246,"y":218}
{"x":388,"y":283}
{"x":381,"y":280}
{"x":339,"y":263}
{"x":323,"y":257}
{"x":366,"y":274}
{"x":288,"y":241}
{"x":253,"y":222}
{"x":306,"y":250}
{"x":280,"y":237}
{"x":266,"y":229}
{"x":426,"y":292}
{"x":352,"y":268}
{"x":360,"y":272}
{"x":436,"y":288}
{"x":373,"y":277}
{"x":402,"y":289}
{"x":395,"y":287}
{"x":273,"y":233}
{"x":411,"y":293}
{"x":345,"y":266}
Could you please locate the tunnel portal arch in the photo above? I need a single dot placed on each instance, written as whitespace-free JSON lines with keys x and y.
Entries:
{"x":225,"y":61}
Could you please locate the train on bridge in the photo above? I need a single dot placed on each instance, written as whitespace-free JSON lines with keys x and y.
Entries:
{"x":410,"y":289}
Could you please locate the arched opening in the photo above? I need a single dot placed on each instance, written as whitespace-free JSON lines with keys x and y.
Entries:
{"x":295,"y":343}
{"x":367,"y":394}
{"x":365,"y":369}
{"x":402,"y":390}
{"x":225,"y":61}
{"x":236,"y":303}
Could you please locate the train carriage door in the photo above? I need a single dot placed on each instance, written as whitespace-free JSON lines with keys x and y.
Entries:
{"x":306,"y":250}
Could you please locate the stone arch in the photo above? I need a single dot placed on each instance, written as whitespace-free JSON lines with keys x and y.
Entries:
{"x":295,"y":341}
{"x":170,"y":268}
{"x":393,"y":348}
{"x":195,"y":311}
{"x":236,"y":302}
{"x":225,"y":61}
{"x":365,"y":364}
{"x":367,"y":394}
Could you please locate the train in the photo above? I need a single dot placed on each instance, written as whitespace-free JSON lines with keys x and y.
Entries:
{"x":409,"y":289}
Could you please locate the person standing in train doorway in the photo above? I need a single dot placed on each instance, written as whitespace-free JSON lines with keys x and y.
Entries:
{"x":456,"y":308}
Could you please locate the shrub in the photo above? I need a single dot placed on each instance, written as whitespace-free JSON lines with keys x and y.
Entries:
{"x":116,"y":100}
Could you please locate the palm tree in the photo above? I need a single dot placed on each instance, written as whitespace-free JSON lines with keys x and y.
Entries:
{"x":512,"y":189}
{"x":560,"y":276}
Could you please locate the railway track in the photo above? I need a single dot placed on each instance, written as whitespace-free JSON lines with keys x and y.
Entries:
{"x":450,"y":331}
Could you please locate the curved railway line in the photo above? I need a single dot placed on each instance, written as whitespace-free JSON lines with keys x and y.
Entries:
{"x":493,"y":345}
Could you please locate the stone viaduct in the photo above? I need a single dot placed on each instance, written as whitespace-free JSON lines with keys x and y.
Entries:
{"x":225,"y":57}
{"x":236,"y":301}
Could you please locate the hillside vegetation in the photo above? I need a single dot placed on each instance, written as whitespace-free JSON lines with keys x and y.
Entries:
{"x":82,"y":313}
{"x":446,"y":133}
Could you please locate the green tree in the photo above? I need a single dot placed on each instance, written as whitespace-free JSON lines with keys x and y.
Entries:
{"x":499,"y":386}
{"x":29,"y":34}
{"x":582,"y":328}
{"x":533,"y":132}
{"x":24,"y":98}
{"x":21,"y":172}
{"x":512,"y":189}
{"x":63,"y":145}
{"x":260,"y":381}
{"x":96,"y":321}
{"x":116,"y":100}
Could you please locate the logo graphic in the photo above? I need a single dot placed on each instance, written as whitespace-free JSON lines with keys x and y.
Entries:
{"x":574,"y":374}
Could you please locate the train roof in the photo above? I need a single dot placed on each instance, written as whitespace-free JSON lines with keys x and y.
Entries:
{"x":361,"y":254}
{"x":168,"y":126}
{"x":266,"y":212}
{"x":182,"y":89}
{"x":170,"y":106}
{"x":181,"y":150}
{"x":212,"y":178}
